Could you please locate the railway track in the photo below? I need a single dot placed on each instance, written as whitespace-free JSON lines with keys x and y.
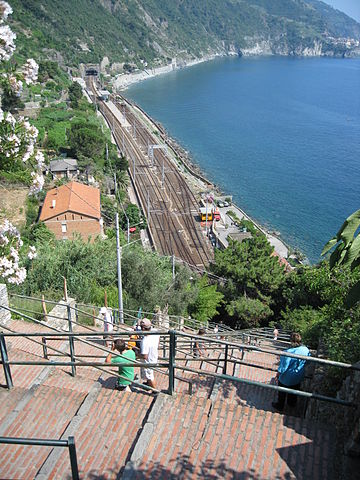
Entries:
{"x":166,"y":199}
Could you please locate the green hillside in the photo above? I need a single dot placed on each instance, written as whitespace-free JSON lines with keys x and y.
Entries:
{"x":156,"y":30}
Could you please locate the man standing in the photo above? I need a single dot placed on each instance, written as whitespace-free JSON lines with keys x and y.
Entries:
{"x":291,"y":372}
{"x":127,"y":356}
{"x":108,"y":323}
{"x":148,"y":351}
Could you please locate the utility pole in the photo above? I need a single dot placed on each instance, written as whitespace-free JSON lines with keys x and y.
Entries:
{"x":107,"y":151}
{"x":118,"y":255}
{"x":173,"y":266}
{"x":134,"y":171}
{"x":128,"y":228}
{"x":163,"y":175}
{"x":115,"y":183}
{"x":148,"y":207}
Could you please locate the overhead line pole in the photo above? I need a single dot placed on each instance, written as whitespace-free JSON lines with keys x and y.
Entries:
{"x":118,"y":256}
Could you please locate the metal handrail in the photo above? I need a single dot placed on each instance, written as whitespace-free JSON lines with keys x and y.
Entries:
{"x":73,"y":363}
{"x":173,"y":318}
{"x":42,"y":442}
{"x":171,"y":365}
{"x":275,"y":352}
{"x":299,"y":393}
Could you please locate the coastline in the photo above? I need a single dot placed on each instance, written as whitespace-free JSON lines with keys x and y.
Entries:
{"x":198,"y":182}
{"x":192,"y":171}
{"x":123,"y":81}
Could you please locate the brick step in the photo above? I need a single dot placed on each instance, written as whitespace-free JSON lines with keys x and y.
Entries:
{"x":104,"y":433}
{"x":45,"y":414}
{"x":8,"y":401}
{"x":25,"y":344}
{"x":195,"y":439}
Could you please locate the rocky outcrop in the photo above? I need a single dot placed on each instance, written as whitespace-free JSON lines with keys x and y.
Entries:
{"x":317,"y":48}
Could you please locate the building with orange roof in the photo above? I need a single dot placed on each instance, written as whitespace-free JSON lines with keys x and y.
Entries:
{"x":73,"y":209}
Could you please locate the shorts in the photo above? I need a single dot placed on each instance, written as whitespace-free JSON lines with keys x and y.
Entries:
{"x":147,"y":373}
{"x":121,"y":388}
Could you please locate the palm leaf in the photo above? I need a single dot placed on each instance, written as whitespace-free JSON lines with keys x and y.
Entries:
{"x":331,"y":243}
{"x":353,"y":296}
{"x":352,"y":253}
{"x":337,"y":255}
{"x":349,"y":227}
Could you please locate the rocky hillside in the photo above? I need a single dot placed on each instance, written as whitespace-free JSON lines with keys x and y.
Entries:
{"x":154,"y":31}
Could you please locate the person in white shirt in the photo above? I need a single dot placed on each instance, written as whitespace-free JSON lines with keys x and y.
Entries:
{"x":148,"y":351}
{"x":106,"y":317}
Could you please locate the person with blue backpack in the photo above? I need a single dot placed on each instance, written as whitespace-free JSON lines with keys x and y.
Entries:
{"x":291,"y":372}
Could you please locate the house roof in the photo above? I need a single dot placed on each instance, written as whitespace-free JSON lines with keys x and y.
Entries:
{"x":287,"y":267}
{"x":63,"y":164}
{"x":72,"y":197}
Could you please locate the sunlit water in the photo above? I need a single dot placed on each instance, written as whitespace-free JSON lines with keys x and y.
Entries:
{"x":282,"y":135}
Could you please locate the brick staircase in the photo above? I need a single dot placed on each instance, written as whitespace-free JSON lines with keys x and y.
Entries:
{"x":224,"y":430}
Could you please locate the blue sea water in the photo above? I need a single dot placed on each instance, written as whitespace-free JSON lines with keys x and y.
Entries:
{"x":282,"y":135}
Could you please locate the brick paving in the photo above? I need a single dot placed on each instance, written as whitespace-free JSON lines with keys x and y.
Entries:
{"x":196,"y":438}
{"x":225,"y":430}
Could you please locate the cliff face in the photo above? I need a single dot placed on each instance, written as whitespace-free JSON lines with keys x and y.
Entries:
{"x":317,"y":48}
{"x":152,"y":32}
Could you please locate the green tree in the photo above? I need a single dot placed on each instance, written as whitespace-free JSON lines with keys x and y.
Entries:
{"x":120,"y":162}
{"x":122,"y":180}
{"x":87,"y":141}
{"x":253,"y":277}
{"x":207,"y":302}
{"x":75,"y":94}
{"x":135,"y":217}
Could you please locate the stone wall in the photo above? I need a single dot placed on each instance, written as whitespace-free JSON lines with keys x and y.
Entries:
{"x":5,"y":315}
{"x":60,"y":311}
{"x":346,"y":420}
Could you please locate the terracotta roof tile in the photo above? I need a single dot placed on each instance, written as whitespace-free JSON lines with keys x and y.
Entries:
{"x":74,"y":197}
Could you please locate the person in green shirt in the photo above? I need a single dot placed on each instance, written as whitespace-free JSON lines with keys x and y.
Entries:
{"x":127,"y":373}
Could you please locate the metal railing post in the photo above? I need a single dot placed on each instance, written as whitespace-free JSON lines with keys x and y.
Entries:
{"x":71,"y":343}
{"x":226,"y":359}
{"x":45,"y":352}
{"x":4,"y":361}
{"x":73,"y":458}
{"x":172,"y":351}
{"x":76,"y":314}
{"x":164,"y":348}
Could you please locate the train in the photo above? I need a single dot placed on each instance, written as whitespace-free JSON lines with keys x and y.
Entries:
{"x":211,"y":212}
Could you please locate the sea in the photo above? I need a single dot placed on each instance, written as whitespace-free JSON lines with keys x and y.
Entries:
{"x":279,"y":134}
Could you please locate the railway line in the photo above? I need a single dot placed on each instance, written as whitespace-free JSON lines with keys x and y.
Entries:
{"x":166,"y":199}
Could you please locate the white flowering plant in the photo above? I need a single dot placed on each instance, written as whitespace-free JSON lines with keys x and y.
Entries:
{"x":17,"y":148}
{"x":11,"y":270}
{"x":17,"y":136}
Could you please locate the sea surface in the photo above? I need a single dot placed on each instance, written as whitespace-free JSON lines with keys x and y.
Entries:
{"x":282,"y":135}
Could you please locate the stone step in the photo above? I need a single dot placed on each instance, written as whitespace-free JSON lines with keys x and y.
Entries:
{"x":105,"y":432}
{"x":195,"y":438}
{"x":43,"y":413}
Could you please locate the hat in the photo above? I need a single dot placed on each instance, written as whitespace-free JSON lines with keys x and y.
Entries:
{"x":145,"y":322}
{"x":103,"y":310}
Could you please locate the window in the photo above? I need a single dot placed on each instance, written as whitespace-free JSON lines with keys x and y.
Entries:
{"x":63,"y":228}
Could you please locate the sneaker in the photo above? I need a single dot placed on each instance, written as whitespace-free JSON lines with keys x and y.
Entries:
{"x":277,"y":407}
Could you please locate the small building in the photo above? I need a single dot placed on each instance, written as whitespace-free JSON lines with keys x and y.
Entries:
{"x":73,"y":209}
{"x":104,"y":95}
{"x":64,"y":168}
{"x":239,"y":236}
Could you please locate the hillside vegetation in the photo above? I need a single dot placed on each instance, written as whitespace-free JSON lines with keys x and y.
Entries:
{"x":154,"y":31}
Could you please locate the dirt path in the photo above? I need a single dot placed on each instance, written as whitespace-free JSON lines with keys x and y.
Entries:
{"x":12,"y":204}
